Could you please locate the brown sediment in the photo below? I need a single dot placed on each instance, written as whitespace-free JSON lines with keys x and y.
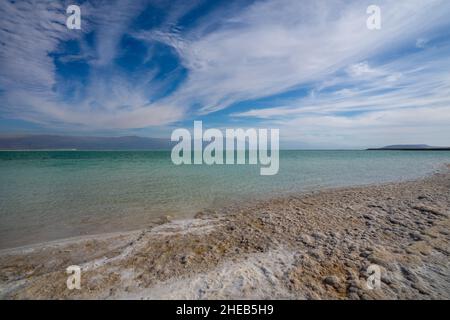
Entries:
{"x":311,"y":246}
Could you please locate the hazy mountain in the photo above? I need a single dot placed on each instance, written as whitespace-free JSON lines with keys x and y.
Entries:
{"x":410,"y":147}
{"x":35,"y":142}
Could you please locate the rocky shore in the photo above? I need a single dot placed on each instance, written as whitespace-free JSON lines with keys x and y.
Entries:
{"x":317,"y":245}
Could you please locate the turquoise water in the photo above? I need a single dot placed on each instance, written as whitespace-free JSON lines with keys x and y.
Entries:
{"x":48,"y":195}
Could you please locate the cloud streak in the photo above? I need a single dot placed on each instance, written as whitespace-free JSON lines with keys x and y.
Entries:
{"x":33,"y":30}
{"x":274,"y":46}
{"x":402,"y":101}
{"x":362,"y":81}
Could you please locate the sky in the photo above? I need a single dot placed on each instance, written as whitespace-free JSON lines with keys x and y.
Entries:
{"x":312,"y":69}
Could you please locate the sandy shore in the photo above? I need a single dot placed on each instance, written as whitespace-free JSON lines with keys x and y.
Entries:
{"x":311,"y":246}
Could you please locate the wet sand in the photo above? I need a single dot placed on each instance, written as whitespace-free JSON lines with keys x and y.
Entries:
{"x":317,"y":245}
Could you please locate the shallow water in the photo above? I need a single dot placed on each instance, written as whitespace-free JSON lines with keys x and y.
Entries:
{"x":47,"y":195}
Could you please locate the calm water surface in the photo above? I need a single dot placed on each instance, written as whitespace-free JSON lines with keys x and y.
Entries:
{"x":47,"y":195}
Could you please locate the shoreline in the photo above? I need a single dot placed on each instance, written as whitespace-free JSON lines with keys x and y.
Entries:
{"x":224,"y":209}
{"x":312,"y":245}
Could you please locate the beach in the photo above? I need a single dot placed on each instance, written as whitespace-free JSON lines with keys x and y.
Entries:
{"x":53,"y":195}
{"x":310,"y":245}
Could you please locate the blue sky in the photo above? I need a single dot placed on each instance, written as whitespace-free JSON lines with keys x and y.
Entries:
{"x":310,"y":68}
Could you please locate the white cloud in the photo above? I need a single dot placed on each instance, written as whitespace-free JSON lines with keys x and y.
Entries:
{"x":361,"y":69}
{"x":111,"y":20}
{"x":378,"y":128}
{"x":405,"y":101}
{"x":234,"y":55}
{"x":31,"y":30}
{"x":273,"y":46}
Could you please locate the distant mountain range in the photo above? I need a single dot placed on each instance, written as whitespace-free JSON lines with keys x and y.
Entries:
{"x":421,"y":147}
{"x":59,"y":142}
{"x":56,"y":142}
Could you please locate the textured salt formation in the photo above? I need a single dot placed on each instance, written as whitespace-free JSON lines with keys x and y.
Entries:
{"x":311,"y":246}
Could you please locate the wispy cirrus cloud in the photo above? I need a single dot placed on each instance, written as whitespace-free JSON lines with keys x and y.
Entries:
{"x":274,"y":46}
{"x":33,"y":31}
{"x":405,"y":100}
{"x":218,"y":59}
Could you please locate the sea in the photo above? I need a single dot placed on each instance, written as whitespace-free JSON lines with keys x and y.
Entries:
{"x":51,"y":195}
